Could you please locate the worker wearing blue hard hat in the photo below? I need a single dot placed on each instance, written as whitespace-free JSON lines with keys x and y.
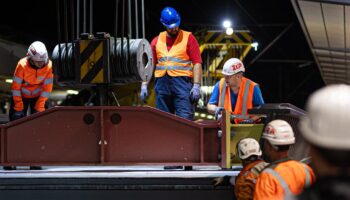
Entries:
{"x":178,"y":71}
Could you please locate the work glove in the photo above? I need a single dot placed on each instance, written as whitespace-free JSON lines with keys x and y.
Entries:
{"x":218,"y":111}
{"x":144,"y":92}
{"x":18,"y":115}
{"x":247,"y":121}
{"x":221,"y":181}
{"x":195,"y":93}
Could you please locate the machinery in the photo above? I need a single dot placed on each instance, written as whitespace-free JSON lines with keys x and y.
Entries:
{"x":98,"y":147}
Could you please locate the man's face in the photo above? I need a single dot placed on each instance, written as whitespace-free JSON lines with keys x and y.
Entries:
{"x":172,"y":31}
{"x":38,"y":64}
{"x":233,"y":80}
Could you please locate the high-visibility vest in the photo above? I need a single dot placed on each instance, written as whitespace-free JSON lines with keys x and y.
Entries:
{"x":244,"y":98}
{"x":31,"y":83}
{"x":176,"y":61}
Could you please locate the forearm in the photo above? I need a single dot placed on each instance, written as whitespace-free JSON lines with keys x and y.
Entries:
{"x":211,"y":108}
{"x":197,"y":73}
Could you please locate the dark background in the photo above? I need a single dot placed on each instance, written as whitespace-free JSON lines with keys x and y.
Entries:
{"x":286,"y":71}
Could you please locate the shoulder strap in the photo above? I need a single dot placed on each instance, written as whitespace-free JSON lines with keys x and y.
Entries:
{"x":275,"y":163}
{"x":307,"y":176}
{"x":258,"y":168}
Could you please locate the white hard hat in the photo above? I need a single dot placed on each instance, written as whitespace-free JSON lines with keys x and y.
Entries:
{"x":279,"y":132}
{"x":326,"y":123}
{"x":248,"y":147}
{"x":232,"y":66}
{"x":37,"y":52}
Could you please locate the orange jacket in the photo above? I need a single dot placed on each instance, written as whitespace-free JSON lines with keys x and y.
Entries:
{"x":29,"y":82}
{"x":176,"y":61}
{"x":296,"y":176}
{"x":246,"y":179}
{"x":244,"y":99}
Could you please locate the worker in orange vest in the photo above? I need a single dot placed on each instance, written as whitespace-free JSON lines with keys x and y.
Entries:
{"x":235,"y":93}
{"x":32,"y":82}
{"x":283,"y":177}
{"x":248,"y":150}
{"x":178,"y":71}
{"x":326,"y":128}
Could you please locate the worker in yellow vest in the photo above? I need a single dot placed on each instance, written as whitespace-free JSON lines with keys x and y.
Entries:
{"x":178,"y":70}
{"x":235,"y":93}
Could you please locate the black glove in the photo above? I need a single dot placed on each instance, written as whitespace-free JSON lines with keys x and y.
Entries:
{"x":18,"y":115}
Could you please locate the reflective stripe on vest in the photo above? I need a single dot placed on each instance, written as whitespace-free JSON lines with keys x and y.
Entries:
{"x":283,"y":183}
{"x":36,"y":91}
{"x":16,"y":93}
{"x":175,"y":61}
{"x":45,"y":94}
{"x":172,"y":59}
{"x":172,"y":68}
{"x":48,"y":81}
{"x":245,"y":97}
{"x":25,"y":91}
{"x":17,"y":80}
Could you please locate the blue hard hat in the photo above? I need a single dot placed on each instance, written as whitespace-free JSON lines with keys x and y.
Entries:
{"x":170,"y":18}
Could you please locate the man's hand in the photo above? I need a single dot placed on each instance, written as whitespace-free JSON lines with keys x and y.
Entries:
{"x":218,"y":111}
{"x":247,"y":121}
{"x":195,"y":93}
{"x":144,"y":92}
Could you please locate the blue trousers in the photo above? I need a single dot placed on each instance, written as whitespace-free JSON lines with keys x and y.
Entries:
{"x":173,"y":95}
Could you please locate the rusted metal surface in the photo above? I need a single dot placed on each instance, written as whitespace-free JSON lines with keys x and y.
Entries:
{"x":108,"y":136}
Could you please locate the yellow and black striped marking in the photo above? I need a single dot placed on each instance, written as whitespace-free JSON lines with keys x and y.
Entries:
{"x":91,"y":61}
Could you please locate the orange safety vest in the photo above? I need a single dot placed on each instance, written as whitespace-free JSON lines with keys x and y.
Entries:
{"x":285,"y":179}
{"x":246,"y":179}
{"x":176,"y":61}
{"x":31,"y":83}
{"x":244,"y":99}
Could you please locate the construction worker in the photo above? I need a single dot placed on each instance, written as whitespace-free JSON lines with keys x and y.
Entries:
{"x":235,"y":93}
{"x":248,"y":150}
{"x":32,"y":82}
{"x":283,"y":176}
{"x":178,"y":71}
{"x":326,"y":128}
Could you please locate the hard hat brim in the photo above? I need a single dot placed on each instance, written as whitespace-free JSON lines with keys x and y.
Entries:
{"x":321,"y":140}
{"x":174,"y":25}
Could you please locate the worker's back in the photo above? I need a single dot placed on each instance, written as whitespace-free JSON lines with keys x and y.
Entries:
{"x":245,"y":181}
{"x":277,"y":181}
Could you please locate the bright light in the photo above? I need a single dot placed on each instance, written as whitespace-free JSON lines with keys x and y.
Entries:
{"x":72,"y":92}
{"x":210,"y":117}
{"x":203,"y":115}
{"x":229,"y":31}
{"x":8,"y":81}
{"x":196,"y":114}
{"x":226,"y":24}
{"x":255,"y":45}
